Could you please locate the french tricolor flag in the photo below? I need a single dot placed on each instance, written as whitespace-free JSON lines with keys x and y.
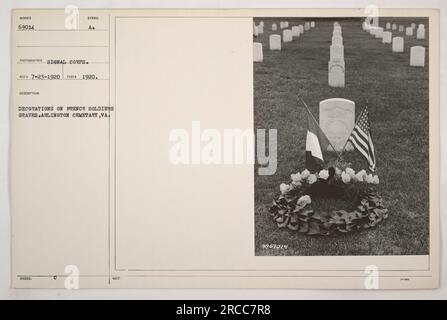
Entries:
{"x":316,"y":143}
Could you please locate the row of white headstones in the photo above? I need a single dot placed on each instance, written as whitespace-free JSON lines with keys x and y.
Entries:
{"x":275,"y":39}
{"x":417,"y":53}
{"x":336,"y":66}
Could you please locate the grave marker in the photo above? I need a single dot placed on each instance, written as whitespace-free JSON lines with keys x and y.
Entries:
{"x":336,"y":33}
{"x":295,"y":31}
{"x":420,"y":34}
{"x":287,"y":35}
{"x":417,"y":56}
{"x":364,"y":26}
{"x":379,"y":32}
{"x":398,"y":44}
{"x":387,"y":36}
{"x":337,"y":53}
{"x":336,"y":74}
{"x":337,"y":40}
{"x":257,"y":52}
{"x":337,"y":119}
{"x":275,"y":42}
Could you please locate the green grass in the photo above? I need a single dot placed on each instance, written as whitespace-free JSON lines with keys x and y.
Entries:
{"x":398,"y":102}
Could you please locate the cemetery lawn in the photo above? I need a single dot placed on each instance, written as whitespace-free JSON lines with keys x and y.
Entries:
{"x":397,"y":97}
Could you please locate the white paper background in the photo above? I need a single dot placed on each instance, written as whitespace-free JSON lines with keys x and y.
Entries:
{"x":7,"y":293}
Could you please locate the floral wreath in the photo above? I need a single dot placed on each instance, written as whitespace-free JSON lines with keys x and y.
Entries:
{"x":293,"y":208}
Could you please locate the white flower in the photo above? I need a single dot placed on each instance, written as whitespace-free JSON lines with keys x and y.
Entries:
{"x":304,"y":200}
{"x":369,"y":178}
{"x":284,"y":188}
{"x":363,"y":173}
{"x":296,"y":178}
{"x":375,"y":180}
{"x":312,"y":179}
{"x":323,"y":174}
{"x":358,"y":177}
{"x":296,"y":183}
{"x":351,"y":172}
{"x":345,"y":177}
{"x":338,"y":172}
{"x":305,"y":174}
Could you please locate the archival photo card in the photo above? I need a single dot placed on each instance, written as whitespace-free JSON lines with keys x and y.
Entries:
{"x":255,"y":148}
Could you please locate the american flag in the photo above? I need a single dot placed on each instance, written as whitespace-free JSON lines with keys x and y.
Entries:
{"x":361,"y":139}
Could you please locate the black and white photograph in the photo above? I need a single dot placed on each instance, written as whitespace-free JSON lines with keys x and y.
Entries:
{"x":349,"y":98}
{"x":271,"y":151}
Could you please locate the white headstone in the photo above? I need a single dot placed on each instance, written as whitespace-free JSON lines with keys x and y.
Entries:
{"x":388,"y":25}
{"x":287,"y":35}
{"x":366,"y":26}
{"x":286,"y":24}
{"x":372,"y":30}
{"x":275,"y":42}
{"x":401,"y":28}
{"x":301,"y":28}
{"x":281,"y":25}
{"x":255,"y":31}
{"x":409,"y":31}
{"x":394,"y":26}
{"x":337,"y":40}
{"x":336,"y":33}
{"x":261,"y":23}
{"x":257,"y":52}
{"x":387,"y":36}
{"x":421,"y":26}
{"x":413,"y":25}
{"x":398,"y":44}
{"x":260,"y":29}
{"x":379,"y":32}
{"x":337,"y":52}
{"x":417,"y":56}
{"x":307,"y":26}
{"x":337,"y":119}
{"x":274,"y":27}
{"x":420,"y":34}
{"x":336,"y":74}
{"x":295,"y":31}
{"x":312,"y":24}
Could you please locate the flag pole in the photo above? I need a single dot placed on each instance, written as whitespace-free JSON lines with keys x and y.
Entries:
{"x":358,"y":118}
{"x":308,"y":110}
